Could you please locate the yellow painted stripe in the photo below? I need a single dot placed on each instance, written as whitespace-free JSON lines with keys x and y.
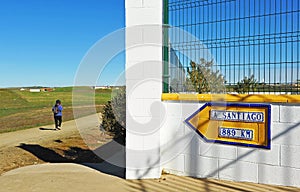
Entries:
{"x":232,"y":98}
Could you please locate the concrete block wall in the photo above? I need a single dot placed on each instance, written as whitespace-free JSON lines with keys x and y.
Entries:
{"x":157,"y":137}
{"x":279,"y":166}
{"x":143,"y":88}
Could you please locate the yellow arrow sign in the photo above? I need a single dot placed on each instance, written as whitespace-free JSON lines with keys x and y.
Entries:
{"x":233,"y":124}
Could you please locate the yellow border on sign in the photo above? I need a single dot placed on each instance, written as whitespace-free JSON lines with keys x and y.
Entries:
{"x":255,"y":98}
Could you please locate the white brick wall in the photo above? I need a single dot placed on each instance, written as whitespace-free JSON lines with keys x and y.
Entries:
{"x":134,"y":4}
{"x":218,"y":151}
{"x":202,"y":167}
{"x":290,"y":156}
{"x":238,"y":171}
{"x":276,"y":175}
{"x":142,"y":4}
{"x":278,"y":166}
{"x":143,"y":88}
{"x":285,"y":133}
{"x":168,"y":143}
{"x":289,"y":114}
{"x":144,"y":16}
{"x":275,"y":113}
{"x":175,"y":164}
{"x":261,"y":156}
{"x":152,"y":3}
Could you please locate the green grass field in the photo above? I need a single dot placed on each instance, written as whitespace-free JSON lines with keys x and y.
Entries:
{"x":24,"y":109}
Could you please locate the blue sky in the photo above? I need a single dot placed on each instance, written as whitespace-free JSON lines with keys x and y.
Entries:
{"x":42,"y":42}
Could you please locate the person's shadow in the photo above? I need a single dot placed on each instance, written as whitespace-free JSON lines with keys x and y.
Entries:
{"x":47,"y":129}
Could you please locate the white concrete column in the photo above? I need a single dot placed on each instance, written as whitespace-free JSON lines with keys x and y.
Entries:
{"x":143,"y":87}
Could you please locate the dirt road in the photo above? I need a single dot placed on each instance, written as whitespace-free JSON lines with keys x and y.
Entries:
{"x":47,"y":145}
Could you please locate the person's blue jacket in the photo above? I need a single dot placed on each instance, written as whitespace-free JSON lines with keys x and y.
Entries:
{"x":59,"y":110}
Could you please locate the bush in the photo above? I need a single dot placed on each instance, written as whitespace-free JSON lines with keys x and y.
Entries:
{"x":246,"y":85}
{"x":114,"y":115}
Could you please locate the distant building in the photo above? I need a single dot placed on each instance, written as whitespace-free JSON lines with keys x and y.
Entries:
{"x":47,"y":89}
{"x":35,"y":90}
{"x":101,"y":87}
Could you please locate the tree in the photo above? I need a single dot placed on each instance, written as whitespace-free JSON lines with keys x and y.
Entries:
{"x":188,"y":85}
{"x":246,"y":85}
{"x":203,"y":79}
{"x":114,"y":115}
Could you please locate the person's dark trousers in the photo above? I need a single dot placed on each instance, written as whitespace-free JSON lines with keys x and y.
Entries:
{"x":58,"y":120}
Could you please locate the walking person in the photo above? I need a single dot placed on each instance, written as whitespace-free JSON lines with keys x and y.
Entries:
{"x":57,"y":111}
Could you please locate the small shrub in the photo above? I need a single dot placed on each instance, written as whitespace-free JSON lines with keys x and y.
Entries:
{"x":114,"y":116}
{"x":246,"y":85}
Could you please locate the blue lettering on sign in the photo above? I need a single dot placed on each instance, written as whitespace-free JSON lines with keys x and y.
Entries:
{"x":245,"y":134}
{"x":242,"y":133}
{"x":222,"y":115}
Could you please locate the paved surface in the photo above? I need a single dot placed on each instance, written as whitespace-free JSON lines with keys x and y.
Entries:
{"x":73,"y":177}
{"x":58,"y":177}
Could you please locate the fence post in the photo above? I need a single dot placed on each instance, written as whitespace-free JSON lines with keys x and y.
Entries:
{"x":166,"y":47}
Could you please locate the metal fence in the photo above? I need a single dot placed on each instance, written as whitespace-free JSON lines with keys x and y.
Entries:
{"x":254,"y":45}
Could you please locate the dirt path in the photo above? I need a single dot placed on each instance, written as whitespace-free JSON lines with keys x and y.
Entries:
{"x":38,"y":134}
{"x":46,"y":145}
{"x":43,"y":145}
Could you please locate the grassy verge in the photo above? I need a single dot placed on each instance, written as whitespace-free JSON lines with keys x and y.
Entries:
{"x":23,"y":109}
